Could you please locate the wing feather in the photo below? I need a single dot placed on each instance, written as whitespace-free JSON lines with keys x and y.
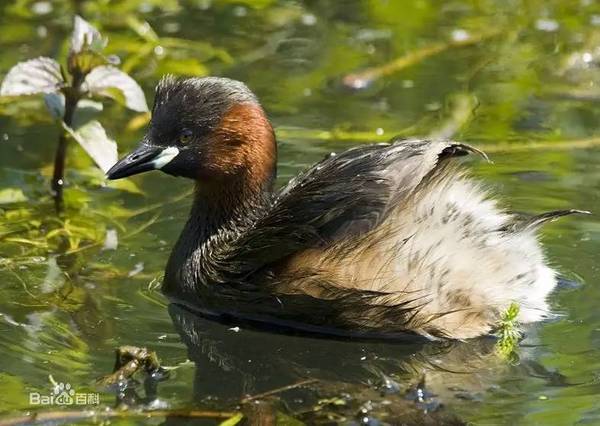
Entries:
{"x":343,"y":194}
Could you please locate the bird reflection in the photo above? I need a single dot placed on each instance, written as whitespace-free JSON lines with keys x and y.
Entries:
{"x":236,"y":361}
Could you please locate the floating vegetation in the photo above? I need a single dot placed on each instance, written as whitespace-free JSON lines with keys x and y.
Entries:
{"x":130,"y":360}
{"x":509,"y":334}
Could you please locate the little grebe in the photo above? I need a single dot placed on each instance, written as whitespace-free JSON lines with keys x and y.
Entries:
{"x":380,"y":239}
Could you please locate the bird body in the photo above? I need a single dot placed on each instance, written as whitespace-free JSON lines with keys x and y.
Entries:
{"x":380,"y":239}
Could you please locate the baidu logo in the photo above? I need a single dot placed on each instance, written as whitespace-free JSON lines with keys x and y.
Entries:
{"x":64,"y":394}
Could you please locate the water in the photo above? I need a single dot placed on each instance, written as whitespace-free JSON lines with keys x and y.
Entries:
{"x":527,"y":94}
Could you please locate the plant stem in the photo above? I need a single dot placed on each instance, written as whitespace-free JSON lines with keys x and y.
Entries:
{"x":363,"y":78}
{"x":71,"y":100}
{"x":278,"y":390}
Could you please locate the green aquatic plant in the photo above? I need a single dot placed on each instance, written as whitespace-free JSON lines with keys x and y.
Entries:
{"x":88,"y":73}
{"x":509,"y":333}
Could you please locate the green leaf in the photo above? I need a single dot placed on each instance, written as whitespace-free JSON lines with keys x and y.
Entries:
{"x":142,"y":29}
{"x":111,"y":241}
{"x":13,"y":390}
{"x":85,"y":61}
{"x":104,"y":80}
{"x":32,"y":77}
{"x":12,"y":195}
{"x":87,"y":110}
{"x":285,"y":420}
{"x":187,"y":66}
{"x":509,"y":333}
{"x":54,"y":278}
{"x":85,"y":36}
{"x":232,"y":421}
{"x":93,"y":176}
{"x":126,"y":185}
{"x":55,"y":103}
{"x":93,"y":139}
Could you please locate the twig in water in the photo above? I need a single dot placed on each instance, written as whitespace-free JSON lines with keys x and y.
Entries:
{"x":278,"y":390}
{"x":462,"y":112}
{"x":547,"y":145}
{"x":364,"y":78}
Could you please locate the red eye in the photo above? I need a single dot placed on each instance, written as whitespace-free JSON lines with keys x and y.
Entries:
{"x":185,"y":137}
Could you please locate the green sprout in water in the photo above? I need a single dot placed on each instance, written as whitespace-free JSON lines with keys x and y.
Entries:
{"x":509,"y":333}
{"x":88,"y":73}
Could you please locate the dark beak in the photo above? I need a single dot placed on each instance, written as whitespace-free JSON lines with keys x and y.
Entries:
{"x":138,"y":161}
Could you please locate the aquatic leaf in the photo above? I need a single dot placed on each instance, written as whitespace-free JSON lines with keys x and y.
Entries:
{"x":84,"y":62}
{"x":92,"y":176}
{"x":199,"y":50}
{"x":142,"y":29}
{"x":77,"y":198}
{"x":285,"y":420}
{"x":32,"y":77}
{"x":103,"y":81}
{"x":330,"y":401}
{"x":126,"y":185}
{"x":12,"y":195}
{"x":188,"y":66}
{"x":138,"y":122}
{"x":13,"y":389}
{"x":137,"y":268}
{"x":85,"y":35}
{"x":87,"y":110}
{"x":232,"y":421}
{"x":111,"y":242}
{"x":463,"y":107}
{"x":54,"y":278}
{"x":509,"y":334}
{"x":93,"y":139}
{"x":55,"y":103}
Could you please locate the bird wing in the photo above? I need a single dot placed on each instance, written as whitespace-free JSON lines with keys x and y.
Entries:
{"x":348,"y":193}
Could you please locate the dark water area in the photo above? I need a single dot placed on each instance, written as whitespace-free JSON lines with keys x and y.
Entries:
{"x":517,"y":79}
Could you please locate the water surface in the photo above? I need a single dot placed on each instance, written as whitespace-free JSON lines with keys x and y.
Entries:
{"x":527,"y":93}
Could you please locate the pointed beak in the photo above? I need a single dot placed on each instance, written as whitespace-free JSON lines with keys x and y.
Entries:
{"x":144,"y":158}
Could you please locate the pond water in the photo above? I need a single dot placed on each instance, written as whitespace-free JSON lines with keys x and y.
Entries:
{"x":527,"y":91}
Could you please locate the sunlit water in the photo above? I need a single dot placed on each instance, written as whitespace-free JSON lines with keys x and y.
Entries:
{"x":63,"y":316}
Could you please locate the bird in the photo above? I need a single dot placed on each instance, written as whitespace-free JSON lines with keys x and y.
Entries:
{"x":384,"y":240}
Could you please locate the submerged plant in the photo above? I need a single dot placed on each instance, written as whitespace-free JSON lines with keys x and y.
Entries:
{"x":88,"y":73}
{"x":509,"y":333}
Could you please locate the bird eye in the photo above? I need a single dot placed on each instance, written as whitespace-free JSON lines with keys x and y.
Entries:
{"x":185,"y":136}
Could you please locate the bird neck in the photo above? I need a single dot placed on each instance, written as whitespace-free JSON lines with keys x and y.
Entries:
{"x":228,"y":208}
{"x":217,"y":219}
